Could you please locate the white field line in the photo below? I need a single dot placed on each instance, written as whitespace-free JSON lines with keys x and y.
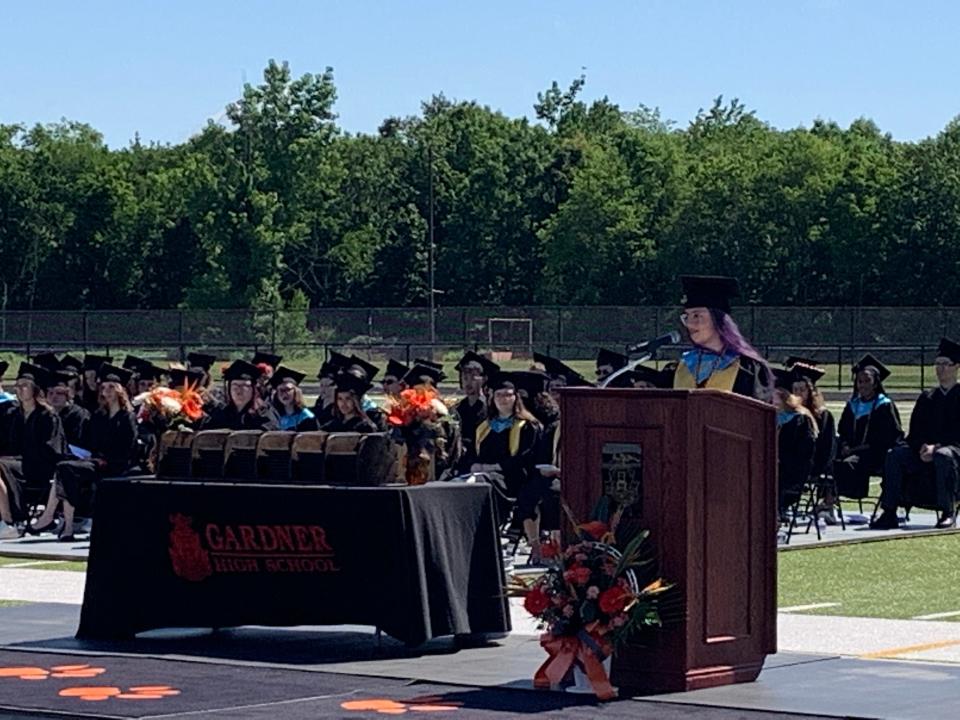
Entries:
{"x":801,"y":608}
{"x":937,"y":616}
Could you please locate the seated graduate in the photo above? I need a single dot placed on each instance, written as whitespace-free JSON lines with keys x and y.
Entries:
{"x":36,"y":437}
{"x":561,"y":375}
{"x":506,"y":440}
{"x":325,"y":406}
{"x":348,"y":414}
{"x":288,"y":401}
{"x":89,"y":397}
{"x":201,"y":362}
{"x":111,"y":443}
{"x":721,"y":358}
{"x":933,"y":445}
{"x":369,"y":371}
{"x":392,"y":381}
{"x":268,"y":364}
{"x":60,"y":396}
{"x":245,"y":410}
{"x":475,"y":371}
{"x":608,"y":362}
{"x":869,"y":426}
{"x":796,"y":440}
{"x":806,"y":376}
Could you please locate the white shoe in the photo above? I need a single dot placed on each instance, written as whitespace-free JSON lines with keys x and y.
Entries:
{"x":8,"y":532}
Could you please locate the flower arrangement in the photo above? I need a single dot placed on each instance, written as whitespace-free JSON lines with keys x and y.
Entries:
{"x":416,"y":418}
{"x":172,"y":406}
{"x":589,"y":601}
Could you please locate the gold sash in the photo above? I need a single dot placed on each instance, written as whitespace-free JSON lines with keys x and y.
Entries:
{"x":483,"y":429}
{"x":720,"y":380}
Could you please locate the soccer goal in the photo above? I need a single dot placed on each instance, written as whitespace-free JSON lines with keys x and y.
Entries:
{"x":514,"y":334}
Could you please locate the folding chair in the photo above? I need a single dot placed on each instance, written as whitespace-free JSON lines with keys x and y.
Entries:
{"x":207,"y":452}
{"x":273,"y":456}
{"x":340,"y":462}
{"x":240,"y":455}
{"x":174,"y":455}
{"x":307,"y":457}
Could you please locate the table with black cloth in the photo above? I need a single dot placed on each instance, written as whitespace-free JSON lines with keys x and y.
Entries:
{"x":417,"y":562}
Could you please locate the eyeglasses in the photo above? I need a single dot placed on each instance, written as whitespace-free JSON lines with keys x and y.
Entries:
{"x":693,"y":318}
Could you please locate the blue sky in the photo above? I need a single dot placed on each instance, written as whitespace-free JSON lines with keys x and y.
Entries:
{"x":163,"y":68}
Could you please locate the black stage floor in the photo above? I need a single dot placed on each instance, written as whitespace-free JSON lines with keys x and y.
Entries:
{"x":343,"y":672}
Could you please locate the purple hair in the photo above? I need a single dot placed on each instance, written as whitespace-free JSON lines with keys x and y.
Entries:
{"x":733,"y":339}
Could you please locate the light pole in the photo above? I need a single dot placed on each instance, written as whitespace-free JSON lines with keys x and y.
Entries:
{"x":430,"y":258}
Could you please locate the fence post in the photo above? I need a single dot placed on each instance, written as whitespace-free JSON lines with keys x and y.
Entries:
{"x":180,"y":339}
{"x":559,"y":326}
{"x":273,"y":331}
{"x":463,"y":323}
{"x":923,"y":368}
{"x":839,"y":367}
{"x":753,"y":323}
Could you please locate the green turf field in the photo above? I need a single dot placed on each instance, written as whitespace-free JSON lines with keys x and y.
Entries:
{"x":902,"y":578}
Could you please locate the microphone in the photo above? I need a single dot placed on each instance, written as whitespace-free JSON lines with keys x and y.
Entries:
{"x":651,"y":346}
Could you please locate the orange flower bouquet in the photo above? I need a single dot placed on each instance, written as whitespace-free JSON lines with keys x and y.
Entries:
{"x":171,"y":408}
{"x":416,"y":419}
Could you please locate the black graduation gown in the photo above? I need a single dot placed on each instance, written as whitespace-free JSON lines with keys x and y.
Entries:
{"x":88,"y":399}
{"x":229,"y":418}
{"x":39,"y":443}
{"x":469,"y":415}
{"x":535,"y":495}
{"x":7,"y":409}
{"x":324,"y":413}
{"x":826,"y":449}
{"x":796,"y":444}
{"x":875,"y":433}
{"x":356,"y":424}
{"x":516,"y":468}
{"x":74,"y":419}
{"x":936,"y":419}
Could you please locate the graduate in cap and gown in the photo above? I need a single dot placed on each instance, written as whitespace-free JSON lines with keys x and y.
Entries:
{"x":608,"y":362}
{"x":506,"y":441}
{"x":288,"y":401}
{"x":393,"y":376}
{"x":60,"y":395}
{"x":348,"y":414}
{"x":38,"y":443}
{"x":326,"y":403}
{"x":90,"y":392}
{"x":110,"y":441}
{"x":932,"y":449}
{"x":796,"y":440}
{"x":369,"y":371}
{"x":721,"y":358}
{"x":245,"y":409}
{"x":268,"y":364}
{"x":202,"y":362}
{"x":475,"y":370}
{"x":869,"y":426}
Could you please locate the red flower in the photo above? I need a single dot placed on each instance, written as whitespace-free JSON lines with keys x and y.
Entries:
{"x":548,"y":550}
{"x":536,"y":601}
{"x":614,"y":600}
{"x":595,"y":529}
{"x":577,"y":574}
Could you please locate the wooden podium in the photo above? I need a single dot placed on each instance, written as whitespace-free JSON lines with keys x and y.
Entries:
{"x":698,"y":469}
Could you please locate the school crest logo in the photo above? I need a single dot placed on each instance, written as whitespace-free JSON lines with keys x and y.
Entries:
{"x":190,"y":561}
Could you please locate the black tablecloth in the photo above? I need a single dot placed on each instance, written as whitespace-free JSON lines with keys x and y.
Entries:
{"x":418,"y":562}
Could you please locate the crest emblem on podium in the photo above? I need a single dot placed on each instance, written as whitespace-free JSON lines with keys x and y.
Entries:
{"x":622,"y":473}
{"x":190,"y":561}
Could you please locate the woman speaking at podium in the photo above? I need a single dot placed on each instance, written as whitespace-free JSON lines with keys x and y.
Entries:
{"x":721,"y":359}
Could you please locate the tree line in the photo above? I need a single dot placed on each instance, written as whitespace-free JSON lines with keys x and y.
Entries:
{"x":278,"y":208}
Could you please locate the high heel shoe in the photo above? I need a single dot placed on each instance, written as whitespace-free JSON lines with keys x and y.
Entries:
{"x":49,"y":527}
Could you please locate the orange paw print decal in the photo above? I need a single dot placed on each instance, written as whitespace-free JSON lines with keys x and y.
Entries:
{"x":99,"y":694}
{"x":382,"y":706}
{"x":58,"y":671}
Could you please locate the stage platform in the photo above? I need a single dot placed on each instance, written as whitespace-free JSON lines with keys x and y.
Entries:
{"x":345,"y":671}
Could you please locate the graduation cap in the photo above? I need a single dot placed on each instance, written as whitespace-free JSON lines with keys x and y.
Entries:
{"x":69,"y":362}
{"x":369,"y":369}
{"x":201,"y":360}
{"x":395,"y":369}
{"x":4,"y":366}
{"x":149,"y":371}
{"x":262,"y":358}
{"x":47,"y":360}
{"x":783,"y":379}
{"x":242,"y":370}
{"x":869,"y":361}
{"x":283,"y":374}
{"x":93,"y":362}
{"x":806,"y":371}
{"x":657,"y":378}
{"x":488,"y":367}
{"x":59,"y":377}
{"x":418,"y":373}
{"x":138,"y":365}
{"x":431,"y":364}
{"x":181,"y":376}
{"x":709,"y":291}
{"x":528,"y":383}
{"x":613,"y":359}
{"x":34,"y":373}
{"x":949,"y":349}
{"x":349,"y":381}
{"x":558,"y":369}
{"x":112,"y":373}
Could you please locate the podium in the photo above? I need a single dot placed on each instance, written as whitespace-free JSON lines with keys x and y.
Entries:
{"x":698,"y":469}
